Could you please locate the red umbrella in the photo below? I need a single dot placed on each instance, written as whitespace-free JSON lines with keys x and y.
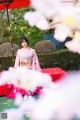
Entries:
{"x":11,"y":4}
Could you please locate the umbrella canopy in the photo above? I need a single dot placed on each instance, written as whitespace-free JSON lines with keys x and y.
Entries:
{"x":11,"y":4}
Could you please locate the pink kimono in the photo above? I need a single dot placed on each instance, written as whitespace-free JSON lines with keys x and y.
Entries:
{"x":28,"y":58}
{"x":21,"y":60}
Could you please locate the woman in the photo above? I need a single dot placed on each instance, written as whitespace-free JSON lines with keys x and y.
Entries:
{"x":27,"y":56}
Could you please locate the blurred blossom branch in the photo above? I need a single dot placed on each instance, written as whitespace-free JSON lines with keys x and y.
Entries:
{"x":62,"y":16}
{"x":59,"y":101}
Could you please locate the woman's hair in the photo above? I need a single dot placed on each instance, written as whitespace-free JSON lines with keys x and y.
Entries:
{"x":24,"y":39}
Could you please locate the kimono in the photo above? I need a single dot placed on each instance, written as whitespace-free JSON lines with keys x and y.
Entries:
{"x":28,"y":58}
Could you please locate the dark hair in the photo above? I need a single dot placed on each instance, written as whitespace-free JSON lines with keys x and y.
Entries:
{"x":24,"y":38}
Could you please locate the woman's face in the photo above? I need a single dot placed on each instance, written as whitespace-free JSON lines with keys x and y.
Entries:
{"x":24,"y":43}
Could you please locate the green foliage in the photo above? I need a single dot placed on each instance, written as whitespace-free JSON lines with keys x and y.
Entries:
{"x":19,"y":27}
{"x":3,"y":24}
{"x":6,"y":62}
{"x":63,"y":59}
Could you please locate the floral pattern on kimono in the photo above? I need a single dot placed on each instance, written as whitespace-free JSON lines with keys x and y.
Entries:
{"x":29,"y":55}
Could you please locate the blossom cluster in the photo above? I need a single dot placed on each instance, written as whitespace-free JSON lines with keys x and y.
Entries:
{"x":61,"y":15}
{"x":59,"y":101}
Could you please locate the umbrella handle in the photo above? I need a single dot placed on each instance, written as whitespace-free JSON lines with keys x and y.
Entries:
{"x":12,"y":49}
